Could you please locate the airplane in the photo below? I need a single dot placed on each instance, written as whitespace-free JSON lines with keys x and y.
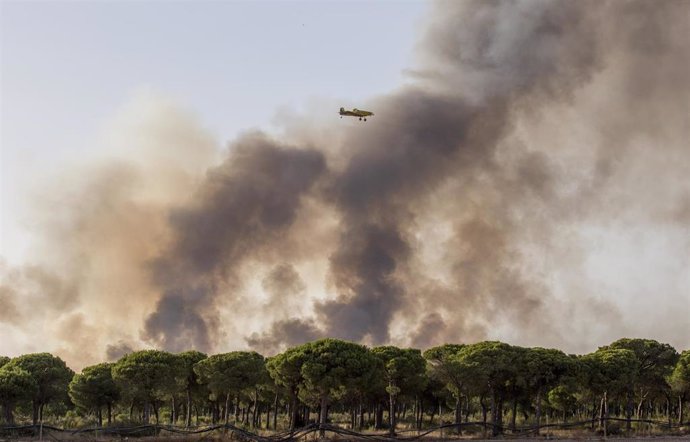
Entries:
{"x":362,"y":114}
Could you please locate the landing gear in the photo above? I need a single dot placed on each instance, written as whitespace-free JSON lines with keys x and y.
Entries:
{"x":365,"y":119}
{"x":360,"y":118}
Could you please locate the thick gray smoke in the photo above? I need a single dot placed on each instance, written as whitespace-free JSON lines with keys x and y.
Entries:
{"x":478,"y":203}
{"x":243,"y":207}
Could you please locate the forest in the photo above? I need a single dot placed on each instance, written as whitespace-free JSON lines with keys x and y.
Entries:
{"x":343,"y":383}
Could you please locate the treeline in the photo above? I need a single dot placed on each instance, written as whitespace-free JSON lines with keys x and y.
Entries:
{"x":332,"y":380}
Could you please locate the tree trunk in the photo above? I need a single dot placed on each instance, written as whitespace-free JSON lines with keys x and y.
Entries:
{"x":9,"y":415}
{"x":440,"y":417}
{"x":100,"y":416}
{"x":275,"y":413}
{"x":361,"y":415}
{"x":293,"y":411}
{"x":256,"y":407}
{"x":680,"y":409}
{"x":605,"y":411}
{"x":458,"y":413}
{"x":538,"y":409}
{"x":34,"y":404}
{"x":420,"y":413}
{"x":499,"y":420}
{"x":188,"y":411}
{"x":146,"y":413}
{"x":484,"y":412}
{"x":513,"y":417}
{"x":378,"y":416}
{"x":226,"y":418}
{"x":391,"y":415}
{"x":494,"y":413}
{"x":639,"y":409}
{"x":323,"y":415}
{"x":173,"y":411}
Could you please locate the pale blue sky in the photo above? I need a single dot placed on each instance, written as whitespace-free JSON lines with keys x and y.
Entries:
{"x":68,"y":66}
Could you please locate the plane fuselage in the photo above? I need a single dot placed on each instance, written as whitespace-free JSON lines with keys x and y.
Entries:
{"x":355,"y":113}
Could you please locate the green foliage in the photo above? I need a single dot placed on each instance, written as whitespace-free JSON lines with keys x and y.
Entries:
{"x":16,"y":384}
{"x":679,"y":379}
{"x":94,"y":387}
{"x":231,"y":372}
{"x":403,"y":368}
{"x":488,"y":365}
{"x":286,"y":368}
{"x":187,"y":360}
{"x":4,"y":360}
{"x":562,"y":399}
{"x":50,"y":374}
{"x":654,"y":362}
{"x":331,"y":366}
{"x":544,"y":368}
{"x":445,"y":366}
{"x":148,"y":375}
{"x":609,"y":370}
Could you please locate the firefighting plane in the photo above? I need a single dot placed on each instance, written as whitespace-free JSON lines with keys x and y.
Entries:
{"x":362,"y":114}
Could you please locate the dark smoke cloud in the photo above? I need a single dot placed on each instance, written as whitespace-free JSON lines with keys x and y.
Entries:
{"x":243,"y":205}
{"x":284,"y":334}
{"x":282,"y":284}
{"x":430,"y":331}
{"x":113,"y":352}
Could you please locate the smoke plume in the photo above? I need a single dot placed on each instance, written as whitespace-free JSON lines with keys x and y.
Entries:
{"x":528,"y":183}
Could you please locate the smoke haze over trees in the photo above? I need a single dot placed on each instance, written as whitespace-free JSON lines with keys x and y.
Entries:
{"x":529,"y":183}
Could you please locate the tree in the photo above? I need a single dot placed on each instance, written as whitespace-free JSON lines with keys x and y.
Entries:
{"x":490,"y":364}
{"x":679,"y":380}
{"x":331,"y":367}
{"x":444,"y":366}
{"x":94,"y":388}
{"x":543,"y":370}
{"x":286,"y":371}
{"x":403,"y":369}
{"x":147,"y":377}
{"x":654,"y":363}
{"x":609,"y":372}
{"x":228,"y":374}
{"x":51,"y":376}
{"x":4,"y":360}
{"x":190,"y":379}
{"x":562,"y":399}
{"x":16,"y":384}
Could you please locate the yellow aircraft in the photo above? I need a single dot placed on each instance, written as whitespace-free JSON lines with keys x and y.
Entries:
{"x":362,"y":114}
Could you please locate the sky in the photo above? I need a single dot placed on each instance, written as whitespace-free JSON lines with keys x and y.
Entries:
{"x":175,"y":175}
{"x":68,"y":67}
